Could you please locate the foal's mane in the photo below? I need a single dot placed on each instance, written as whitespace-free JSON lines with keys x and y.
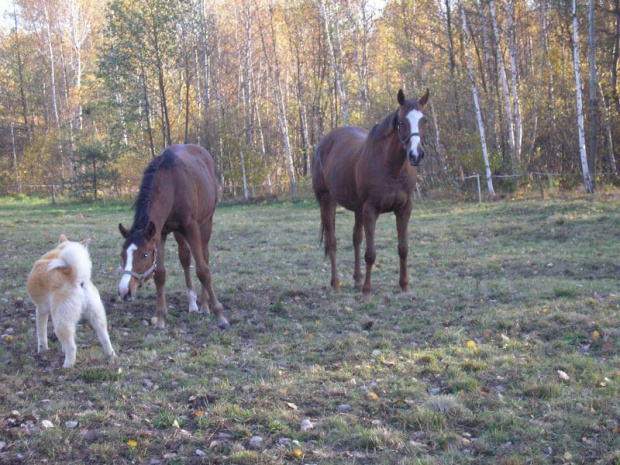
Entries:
{"x":384,"y":128}
{"x":141,"y":206}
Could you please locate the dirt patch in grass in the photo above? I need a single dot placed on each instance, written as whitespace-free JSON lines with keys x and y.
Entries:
{"x":465,"y":369}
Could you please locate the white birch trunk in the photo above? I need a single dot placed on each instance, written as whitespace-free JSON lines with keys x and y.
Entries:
{"x":506,"y":92}
{"x":474,"y":90}
{"x":593,"y":105}
{"x":580,"y":123}
{"x":48,"y":30}
{"x":338,"y":72}
{"x":518,"y":127}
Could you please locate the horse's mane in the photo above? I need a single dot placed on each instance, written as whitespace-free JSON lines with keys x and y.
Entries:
{"x":384,"y":128}
{"x":141,"y":206}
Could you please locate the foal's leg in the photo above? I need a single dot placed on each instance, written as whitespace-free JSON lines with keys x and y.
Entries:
{"x":358,"y":234}
{"x":193,"y":236}
{"x":160,"y":281}
{"x":402,"y":220}
{"x":185,"y":257}
{"x":370,"y":215}
{"x":328,"y":222}
{"x":208,"y":294}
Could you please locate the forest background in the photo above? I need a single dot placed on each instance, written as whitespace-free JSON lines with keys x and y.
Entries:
{"x":90,"y":91}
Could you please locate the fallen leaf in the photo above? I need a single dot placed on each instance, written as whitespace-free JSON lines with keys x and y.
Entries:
{"x":291,"y":405}
{"x":471,"y":343}
{"x":372,"y":396}
{"x":132,"y":443}
{"x":596,"y":335}
{"x":297,"y":453}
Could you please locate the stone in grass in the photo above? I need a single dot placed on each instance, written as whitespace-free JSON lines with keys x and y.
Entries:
{"x":306,"y":424}
{"x":45,"y":424}
{"x":344,"y":408}
{"x":256,"y":442}
{"x":71,"y":424}
{"x":200,"y":453}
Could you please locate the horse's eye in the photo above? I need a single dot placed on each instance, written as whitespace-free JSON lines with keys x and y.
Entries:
{"x":145,"y":255}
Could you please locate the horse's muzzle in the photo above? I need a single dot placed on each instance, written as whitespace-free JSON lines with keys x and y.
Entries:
{"x":415,"y":160}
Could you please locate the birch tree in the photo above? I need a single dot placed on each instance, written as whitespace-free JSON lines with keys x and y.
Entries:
{"x":474,"y":91}
{"x":580,"y":123}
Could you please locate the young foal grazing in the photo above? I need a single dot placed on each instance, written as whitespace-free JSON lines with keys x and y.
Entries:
{"x":177,"y":195}
{"x":370,"y":173}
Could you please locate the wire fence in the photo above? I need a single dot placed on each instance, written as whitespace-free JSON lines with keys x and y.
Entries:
{"x":534,"y":184}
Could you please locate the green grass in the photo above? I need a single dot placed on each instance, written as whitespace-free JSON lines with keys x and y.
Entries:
{"x":529,"y":282}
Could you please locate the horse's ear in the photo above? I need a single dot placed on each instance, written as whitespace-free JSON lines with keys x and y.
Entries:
{"x":149,"y":231}
{"x":62,"y":239}
{"x":424,"y":99}
{"x":400,"y":97}
{"x":124,"y":232}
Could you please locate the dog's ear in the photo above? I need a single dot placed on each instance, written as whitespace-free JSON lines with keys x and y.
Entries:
{"x":62,"y":239}
{"x":123,"y":230}
{"x":149,"y":231}
{"x":85,"y":243}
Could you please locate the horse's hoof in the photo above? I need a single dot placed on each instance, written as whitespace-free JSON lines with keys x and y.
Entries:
{"x":161,"y":324}
{"x":366,"y":297}
{"x":223,"y":324}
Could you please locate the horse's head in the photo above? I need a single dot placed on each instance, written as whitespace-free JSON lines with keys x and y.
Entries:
{"x":411,"y":126}
{"x":139,"y":257}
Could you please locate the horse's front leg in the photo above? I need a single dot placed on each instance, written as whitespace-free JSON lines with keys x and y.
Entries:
{"x":160,"y":280}
{"x":185,"y":257}
{"x":358,"y":235}
{"x":402,"y":220}
{"x":193,"y":237}
{"x":370,"y":215}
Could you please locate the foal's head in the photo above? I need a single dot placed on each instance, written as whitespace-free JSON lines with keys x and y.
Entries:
{"x":411,"y":126}
{"x":139,"y":257}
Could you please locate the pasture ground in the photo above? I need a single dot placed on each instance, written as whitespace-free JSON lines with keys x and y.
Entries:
{"x":506,"y":351}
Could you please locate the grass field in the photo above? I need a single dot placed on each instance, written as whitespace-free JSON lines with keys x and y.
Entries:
{"x":506,"y":351}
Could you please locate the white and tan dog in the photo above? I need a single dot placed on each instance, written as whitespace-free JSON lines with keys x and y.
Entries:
{"x":59,"y":284}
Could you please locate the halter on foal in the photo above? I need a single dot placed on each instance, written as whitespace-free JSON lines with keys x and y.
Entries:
{"x":177,"y":195}
{"x":369,"y":174}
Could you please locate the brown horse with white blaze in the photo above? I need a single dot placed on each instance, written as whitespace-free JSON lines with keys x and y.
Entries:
{"x":178,"y":195}
{"x":370,"y":173}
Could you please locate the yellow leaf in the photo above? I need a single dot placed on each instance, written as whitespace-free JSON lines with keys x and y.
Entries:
{"x":297,"y":453}
{"x":596,"y":335}
{"x":198,"y":413}
{"x":132,"y":443}
{"x":471,"y":343}
{"x":8,"y":338}
{"x":372,"y":396}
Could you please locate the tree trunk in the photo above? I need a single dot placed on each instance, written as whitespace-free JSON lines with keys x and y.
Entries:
{"x":610,"y":140}
{"x":580,"y":124}
{"x":506,"y":92}
{"x":518,"y":126}
{"x":593,"y":104}
{"x":20,"y":73}
{"x":336,"y":65}
{"x":474,"y":90}
{"x":50,"y":49}
{"x":274,"y":72}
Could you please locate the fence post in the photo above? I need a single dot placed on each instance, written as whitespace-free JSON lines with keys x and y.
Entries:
{"x":540,"y":185}
{"x":479,"y":191}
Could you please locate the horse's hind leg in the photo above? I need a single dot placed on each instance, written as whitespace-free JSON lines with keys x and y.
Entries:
{"x":198,"y":239}
{"x":328,"y":225}
{"x":358,"y":235}
{"x":185,"y":257}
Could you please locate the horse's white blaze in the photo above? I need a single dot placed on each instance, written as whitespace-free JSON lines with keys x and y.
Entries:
{"x":414,"y":117}
{"x":123,"y":287}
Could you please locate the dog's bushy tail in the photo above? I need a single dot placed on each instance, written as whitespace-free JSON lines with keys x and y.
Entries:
{"x":75,"y":259}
